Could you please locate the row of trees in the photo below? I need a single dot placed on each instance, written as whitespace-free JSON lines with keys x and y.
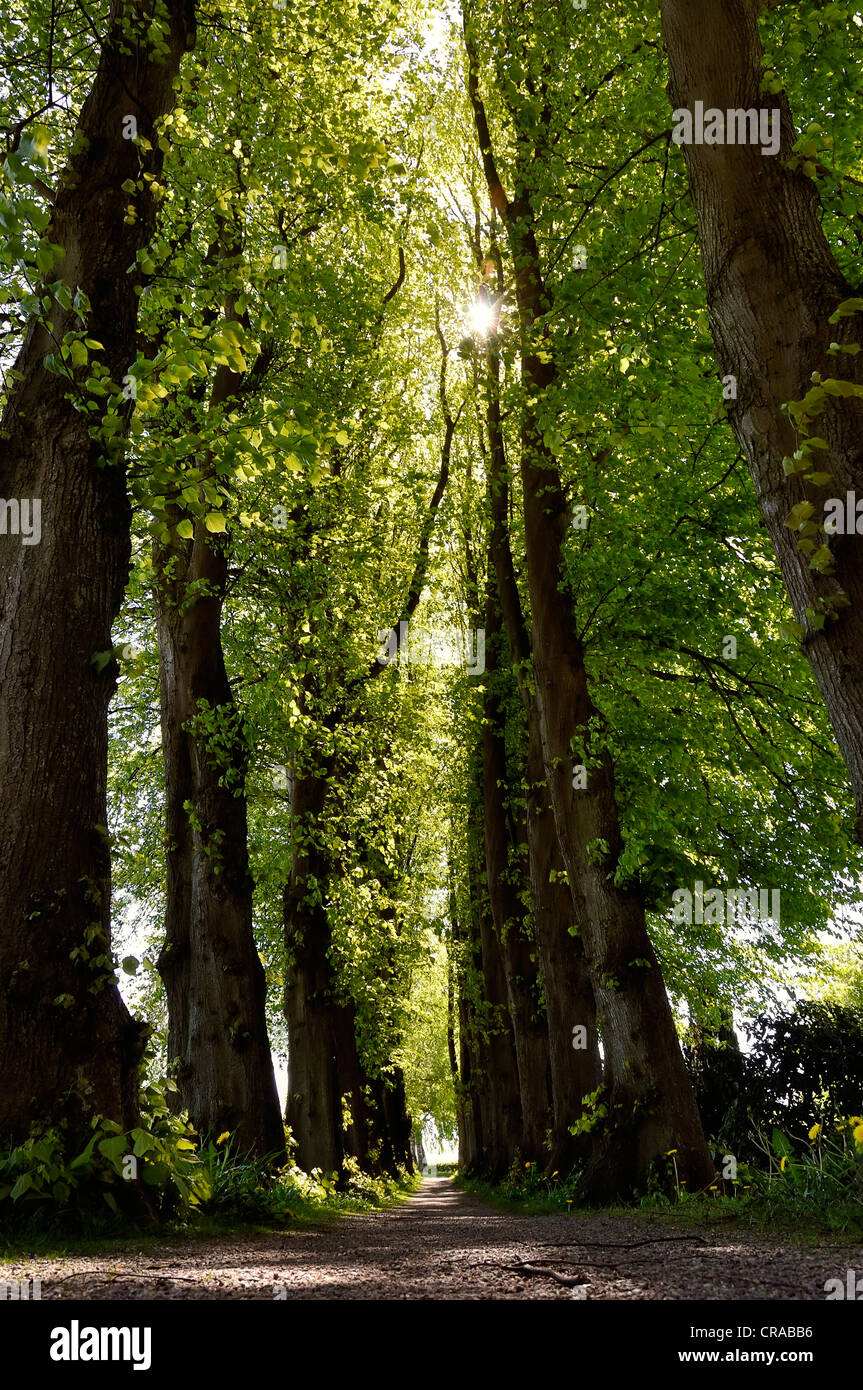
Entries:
{"x":265,"y":434}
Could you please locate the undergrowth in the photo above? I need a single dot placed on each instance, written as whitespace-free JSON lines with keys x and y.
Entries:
{"x":158,"y":1178}
{"x":809,"y":1188}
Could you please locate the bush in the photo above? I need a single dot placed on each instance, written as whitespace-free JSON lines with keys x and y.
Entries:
{"x":805,"y":1067}
{"x":150,"y":1171}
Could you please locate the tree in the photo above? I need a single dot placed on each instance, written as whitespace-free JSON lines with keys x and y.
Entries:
{"x":779,"y":306}
{"x":651,"y":1107}
{"x":68,"y":1046}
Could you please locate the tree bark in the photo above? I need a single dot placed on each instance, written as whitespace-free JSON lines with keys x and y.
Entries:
{"x":466,"y":967}
{"x":574,"y":1060}
{"x":218,"y":1041}
{"x":530,"y":1029}
{"x":68,"y":1046}
{"x":496,"y":1069}
{"x":772,"y":282}
{"x":314,"y":1105}
{"x":649,"y":1104}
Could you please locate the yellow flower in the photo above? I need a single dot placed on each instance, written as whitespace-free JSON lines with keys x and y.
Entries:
{"x":527,"y":1165}
{"x":670,"y":1152}
{"x":858,"y":1134}
{"x":783,"y":1164}
{"x":814,"y":1133}
{"x":222,"y":1137}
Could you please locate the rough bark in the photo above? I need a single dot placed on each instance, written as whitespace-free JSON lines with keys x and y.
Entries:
{"x":496,"y":1071}
{"x":314,"y":1106}
{"x":335,"y":1108}
{"x":466,"y":967}
{"x":530,"y":1029}
{"x":575,"y":1065}
{"x":575,"y":1070}
{"x":772,"y":282}
{"x":649,"y":1103}
{"x":218,"y":1043}
{"x":68,"y":1046}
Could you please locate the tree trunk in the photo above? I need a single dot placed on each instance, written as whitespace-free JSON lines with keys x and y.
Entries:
{"x":529,"y":1026}
{"x":465,"y":968}
{"x":573,"y":1043}
{"x":649,"y":1106}
{"x":314,"y":1106}
{"x":574,"y":1061}
{"x":772,"y":283}
{"x":335,"y":1109}
{"x":217,"y":1036}
{"x":68,"y":1046}
{"x":497,"y":1067}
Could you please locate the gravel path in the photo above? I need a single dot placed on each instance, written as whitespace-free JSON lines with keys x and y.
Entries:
{"x":444,"y":1244}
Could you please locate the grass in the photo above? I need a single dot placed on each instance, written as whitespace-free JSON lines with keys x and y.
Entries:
{"x":246,"y":1195}
{"x":808,"y":1196}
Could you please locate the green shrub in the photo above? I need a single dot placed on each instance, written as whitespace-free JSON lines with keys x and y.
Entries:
{"x":152,"y":1170}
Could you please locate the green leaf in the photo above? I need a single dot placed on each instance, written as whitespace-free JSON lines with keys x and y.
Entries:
{"x":846,"y":309}
{"x":214,"y":521}
{"x":186,"y":529}
{"x":799,"y":515}
{"x":114,"y":1148}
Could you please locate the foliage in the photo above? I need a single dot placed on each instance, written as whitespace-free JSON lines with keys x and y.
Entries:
{"x":811,"y":1188}
{"x":244,"y":1189}
{"x":805,"y":1067}
{"x":153,"y":1170}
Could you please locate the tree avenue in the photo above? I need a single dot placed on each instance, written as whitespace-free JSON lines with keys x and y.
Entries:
{"x":424,"y":597}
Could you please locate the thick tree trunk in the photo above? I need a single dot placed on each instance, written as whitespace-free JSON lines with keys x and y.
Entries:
{"x":314,"y":1105}
{"x":574,"y":1060}
{"x":650,"y":1104}
{"x":496,"y":1070}
{"x":391,"y":1124}
{"x":650,"y":1107}
{"x":218,"y":1042}
{"x":573,"y":1043}
{"x":465,"y":969}
{"x":508,"y":911}
{"x":68,"y":1046}
{"x":772,"y":283}
{"x":335,"y":1109}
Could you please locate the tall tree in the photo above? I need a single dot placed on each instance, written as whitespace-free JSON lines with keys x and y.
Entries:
{"x":68,"y":1045}
{"x":570,"y":1003}
{"x":217,"y":1038}
{"x":773,"y":290}
{"x":651,"y":1107}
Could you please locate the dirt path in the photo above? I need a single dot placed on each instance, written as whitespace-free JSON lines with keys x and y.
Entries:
{"x":443,"y":1244}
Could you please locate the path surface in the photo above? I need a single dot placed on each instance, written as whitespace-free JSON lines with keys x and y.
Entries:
{"x":444,"y":1244}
